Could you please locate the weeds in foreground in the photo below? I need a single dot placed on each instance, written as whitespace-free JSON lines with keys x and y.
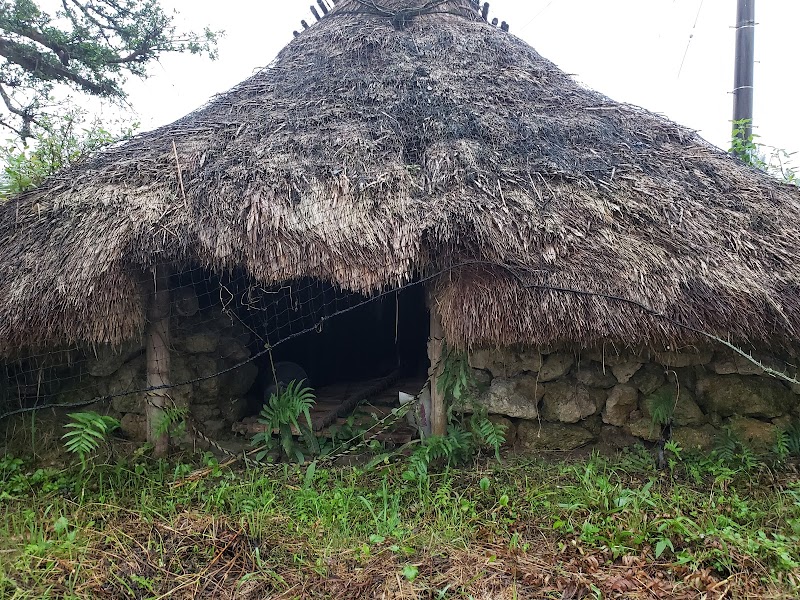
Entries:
{"x":616,"y":525}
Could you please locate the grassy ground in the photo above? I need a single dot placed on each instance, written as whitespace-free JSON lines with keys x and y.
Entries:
{"x":592,"y":528}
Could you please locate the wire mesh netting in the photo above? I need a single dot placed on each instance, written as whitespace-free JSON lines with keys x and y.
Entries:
{"x":225,"y":337}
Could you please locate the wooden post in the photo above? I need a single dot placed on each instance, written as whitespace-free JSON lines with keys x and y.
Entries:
{"x":158,"y":359}
{"x":435,"y":346}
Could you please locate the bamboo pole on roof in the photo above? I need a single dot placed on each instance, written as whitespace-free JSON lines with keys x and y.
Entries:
{"x":158,"y":360}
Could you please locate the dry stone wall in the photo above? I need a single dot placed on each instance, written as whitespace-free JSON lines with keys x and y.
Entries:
{"x":203,"y":344}
{"x":559,"y":399}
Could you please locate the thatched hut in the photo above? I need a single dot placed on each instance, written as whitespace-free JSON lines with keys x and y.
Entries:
{"x":391,"y":143}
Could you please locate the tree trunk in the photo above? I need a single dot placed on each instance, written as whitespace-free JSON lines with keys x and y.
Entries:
{"x":158,"y":360}
{"x":435,"y":346}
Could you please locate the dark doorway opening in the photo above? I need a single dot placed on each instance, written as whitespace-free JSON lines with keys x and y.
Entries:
{"x":372,"y":340}
{"x":343,"y":340}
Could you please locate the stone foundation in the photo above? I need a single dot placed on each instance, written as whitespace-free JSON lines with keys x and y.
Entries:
{"x":203,"y":343}
{"x":549,"y":398}
{"x":556,"y":399}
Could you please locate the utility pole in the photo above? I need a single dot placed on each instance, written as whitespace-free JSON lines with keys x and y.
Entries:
{"x":743,"y":73}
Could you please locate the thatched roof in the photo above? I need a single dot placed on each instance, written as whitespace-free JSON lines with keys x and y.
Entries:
{"x":376,"y":148}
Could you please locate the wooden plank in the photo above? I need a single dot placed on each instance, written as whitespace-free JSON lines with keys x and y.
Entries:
{"x":435,"y":354}
{"x":158,"y":359}
{"x":347,"y":406}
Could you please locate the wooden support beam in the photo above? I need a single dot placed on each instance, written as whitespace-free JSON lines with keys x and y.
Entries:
{"x":304,"y":24}
{"x":323,"y":6}
{"x":485,"y":11}
{"x":157,"y":345}
{"x":315,"y":12}
{"x":504,"y":26}
{"x":495,"y":21}
{"x":323,"y":420}
{"x":296,"y":33}
{"x":435,"y":354}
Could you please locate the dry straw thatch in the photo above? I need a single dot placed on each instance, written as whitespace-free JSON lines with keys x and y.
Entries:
{"x":383,"y":144}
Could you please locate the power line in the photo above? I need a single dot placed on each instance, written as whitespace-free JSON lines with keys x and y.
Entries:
{"x":536,"y":16}
{"x":691,"y":37}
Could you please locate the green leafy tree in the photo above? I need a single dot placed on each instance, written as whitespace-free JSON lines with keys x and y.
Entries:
{"x":88,"y":45}
{"x":58,"y":143}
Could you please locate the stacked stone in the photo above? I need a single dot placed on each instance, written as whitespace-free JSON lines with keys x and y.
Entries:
{"x":555,"y":399}
{"x":203,"y":344}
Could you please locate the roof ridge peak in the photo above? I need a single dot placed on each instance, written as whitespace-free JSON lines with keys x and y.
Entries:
{"x":400,"y":12}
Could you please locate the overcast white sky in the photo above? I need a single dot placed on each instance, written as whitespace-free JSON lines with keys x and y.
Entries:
{"x":631,"y":50}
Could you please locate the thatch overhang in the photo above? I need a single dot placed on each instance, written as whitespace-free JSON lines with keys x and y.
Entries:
{"x":375,"y":148}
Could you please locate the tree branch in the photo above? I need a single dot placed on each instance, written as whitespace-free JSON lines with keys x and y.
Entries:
{"x":25,"y":114}
{"x":46,"y":68}
{"x":37,"y":36}
{"x":18,"y":132}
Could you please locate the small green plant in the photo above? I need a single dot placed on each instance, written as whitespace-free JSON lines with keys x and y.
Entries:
{"x":793,"y":439}
{"x":280,"y":413}
{"x":673,"y":451}
{"x":787,"y":442}
{"x":465,"y":436}
{"x":348,"y":434}
{"x":87,"y":431}
{"x":487,"y":432}
{"x":743,"y":145}
{"x":449,"y":450}
{"x":458,"y":385}
{"x":455,"y":379}
{"x":733,"y":453}
{"x":661,"y":405}
{"x":459,"y":445}
{"x":771,"y":160}
{"x":173,"y":421}
{"x":410,"y":572}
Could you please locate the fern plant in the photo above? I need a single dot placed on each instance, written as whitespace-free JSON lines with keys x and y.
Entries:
{"x":459,"y":445}
{"x":87,"y":431}
{"x":450,"y":449}
{"x":787,"y":442}
{"x":661,"y":405}
{"x":793,"y":439}
{"x":733,"y":453}
{"x":464,"y":437}
{"x":781,"y":447}
{"x":281,"y":412}
{"x":488,"y":433}
{"x":455,"y":379}
{"x":173,"y":421}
